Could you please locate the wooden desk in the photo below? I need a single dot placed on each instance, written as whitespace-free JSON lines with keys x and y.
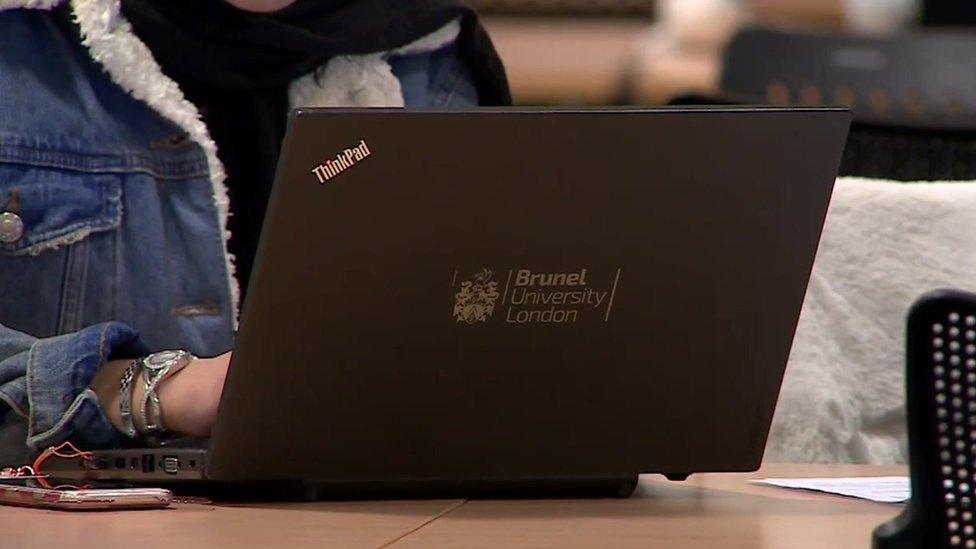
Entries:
{"x":564,"y":61}
{"x":707,"y":511}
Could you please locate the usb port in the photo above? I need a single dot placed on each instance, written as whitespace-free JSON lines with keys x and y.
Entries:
{"x":148,"y":463}
{"x":171,"y":464}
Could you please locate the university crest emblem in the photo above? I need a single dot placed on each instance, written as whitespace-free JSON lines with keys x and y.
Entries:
{"x":476,"y":300}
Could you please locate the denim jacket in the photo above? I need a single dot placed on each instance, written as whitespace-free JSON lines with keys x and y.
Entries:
{"x":117,"y":185}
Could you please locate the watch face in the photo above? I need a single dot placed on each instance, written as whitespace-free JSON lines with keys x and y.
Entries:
{"x":161,"y":359}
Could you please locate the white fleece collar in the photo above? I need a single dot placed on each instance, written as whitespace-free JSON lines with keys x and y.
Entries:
{"x":351,"y":80}
{"x":363,"y":80}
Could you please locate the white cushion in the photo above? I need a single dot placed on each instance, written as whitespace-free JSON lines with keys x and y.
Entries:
{"x":884,"y":244}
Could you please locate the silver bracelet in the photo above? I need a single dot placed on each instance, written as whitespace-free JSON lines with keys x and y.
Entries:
{"x":156,"y":368}
{"x":125,"y":399}
{"x":151,"y":400}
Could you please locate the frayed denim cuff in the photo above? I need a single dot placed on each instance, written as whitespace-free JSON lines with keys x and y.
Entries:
{"x":59,"y":371}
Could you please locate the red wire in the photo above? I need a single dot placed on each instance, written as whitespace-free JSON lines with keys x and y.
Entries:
{"x":56,"y":451}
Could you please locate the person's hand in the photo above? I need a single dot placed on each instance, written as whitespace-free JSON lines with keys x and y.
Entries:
{"x":188,"y":399}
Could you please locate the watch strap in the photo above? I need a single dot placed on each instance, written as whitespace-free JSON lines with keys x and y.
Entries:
{"x":152,"y":378}
{"x":125,"y":399}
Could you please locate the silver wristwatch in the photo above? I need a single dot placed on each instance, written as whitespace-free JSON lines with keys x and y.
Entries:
{"x":156,"y":368}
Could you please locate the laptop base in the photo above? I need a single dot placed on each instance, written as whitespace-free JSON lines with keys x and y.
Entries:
{"x":181,"y":469}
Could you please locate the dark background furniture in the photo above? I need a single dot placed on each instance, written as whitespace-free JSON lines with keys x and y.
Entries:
{"x":913,"y":95}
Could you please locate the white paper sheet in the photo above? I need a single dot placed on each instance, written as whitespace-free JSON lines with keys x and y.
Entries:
{"x":880,"y":489}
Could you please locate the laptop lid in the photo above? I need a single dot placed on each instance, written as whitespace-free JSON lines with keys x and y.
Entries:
{"x":525,"y":293}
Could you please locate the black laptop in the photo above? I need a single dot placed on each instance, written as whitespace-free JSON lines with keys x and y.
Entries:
{"x":517,"y":296}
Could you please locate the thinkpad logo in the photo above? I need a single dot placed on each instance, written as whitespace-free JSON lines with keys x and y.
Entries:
{"x":476,"y":300}
{"x":334,"y":165}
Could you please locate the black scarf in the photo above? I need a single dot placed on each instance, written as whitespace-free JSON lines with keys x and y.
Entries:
{"x":236,"y":67}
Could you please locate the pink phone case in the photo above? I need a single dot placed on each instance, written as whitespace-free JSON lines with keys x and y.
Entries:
{"x":85,"y":500}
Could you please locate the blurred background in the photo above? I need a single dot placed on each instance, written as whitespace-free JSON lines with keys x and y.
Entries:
{"x":592,"y":51}
{"x":904,"y":66}
{"x":907,"y":71}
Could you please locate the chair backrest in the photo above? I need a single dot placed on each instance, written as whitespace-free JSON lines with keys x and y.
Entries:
{"x":941,"y":390}
{"x":948,"y":12}
{"x":909,"y":154}
{"x":923,"y":79}
{"x":913,"y":95}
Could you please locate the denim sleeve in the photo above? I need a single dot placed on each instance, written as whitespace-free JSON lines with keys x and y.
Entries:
{"x":435,"y":79}
{"x":44,"y":388}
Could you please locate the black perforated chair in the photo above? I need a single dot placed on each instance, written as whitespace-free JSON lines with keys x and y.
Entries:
{"x":941,"y":389}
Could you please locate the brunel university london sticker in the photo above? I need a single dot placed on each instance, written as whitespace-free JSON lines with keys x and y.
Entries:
{"x":530,"y":297}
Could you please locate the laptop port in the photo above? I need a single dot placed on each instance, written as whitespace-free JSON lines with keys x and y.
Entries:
{"x":171,"y":464}
{"x":148,"y":463}
{"x":120,"y":463}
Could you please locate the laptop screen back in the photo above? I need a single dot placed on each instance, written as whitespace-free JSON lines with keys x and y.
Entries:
{"x":514,"y":294}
